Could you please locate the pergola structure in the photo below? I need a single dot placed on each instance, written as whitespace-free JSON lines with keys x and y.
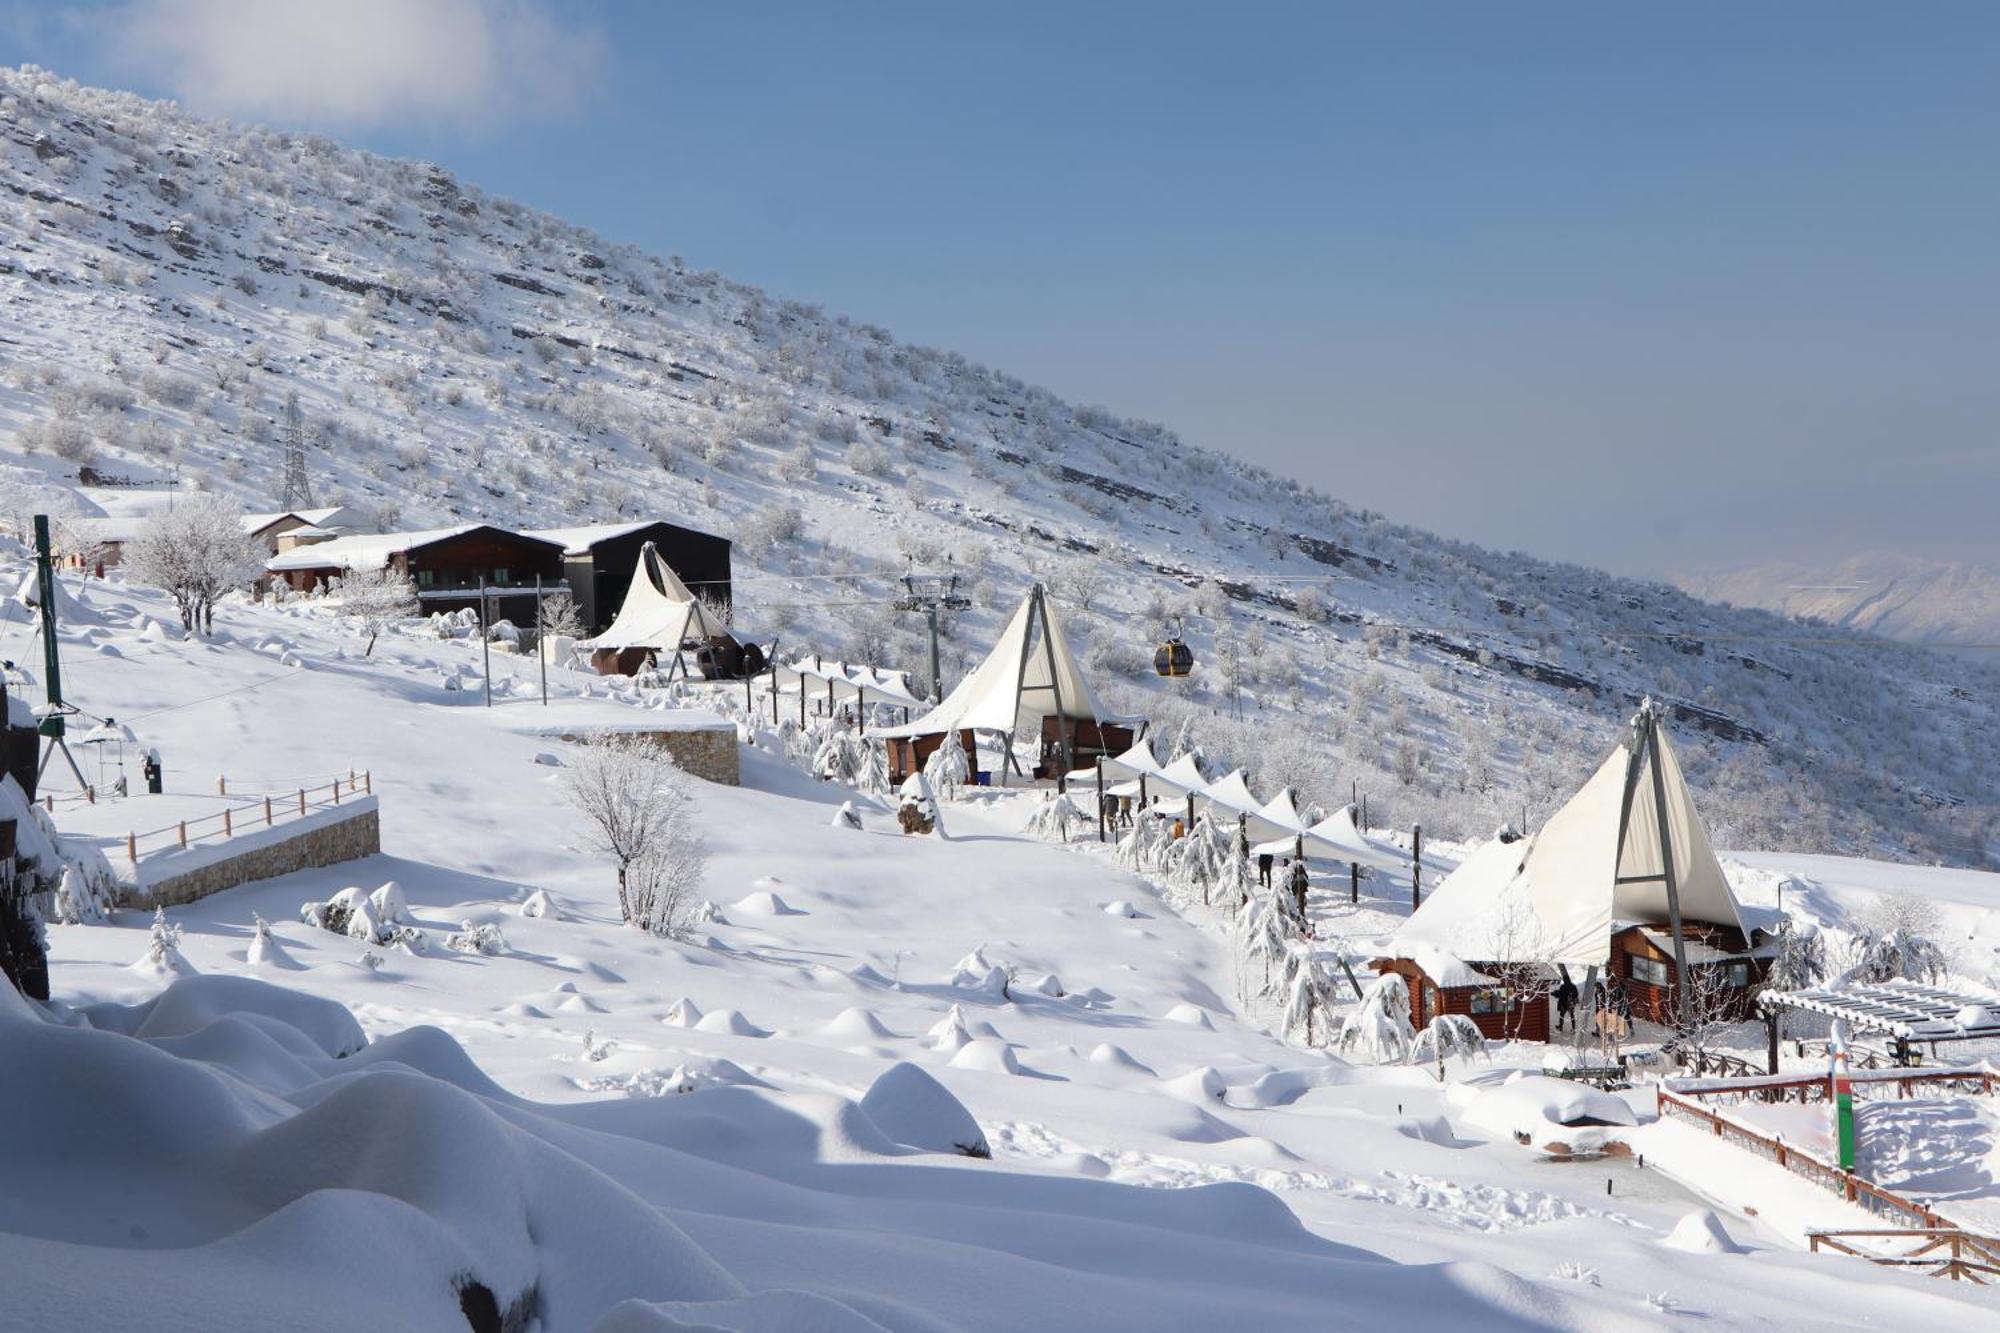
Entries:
{"x":1907,"y":1012}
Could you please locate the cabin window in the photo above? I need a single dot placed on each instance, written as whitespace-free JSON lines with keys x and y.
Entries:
{"x":500,"y":576}
{"x":1430,"y":1001}
{"x":1649,"y":970}
{"x":1499,"y":1000}
{"x":425,"y":578}
{"x":1735,"y":975}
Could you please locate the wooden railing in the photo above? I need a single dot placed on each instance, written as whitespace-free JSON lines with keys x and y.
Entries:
{"x":258,"y":812}
{"x":1943,"y":1252}
{"x":1808,"y":1088}
{"x":1905,"y":1213}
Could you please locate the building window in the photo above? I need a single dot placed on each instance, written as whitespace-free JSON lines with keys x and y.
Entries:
{"x":1736,"y":975}
{"x":1649,"y":970}
{"x":1430,"y":1001}
{"x":424,"y":578}
{"x":500,"y":577}
{"x":1498,"y":1001}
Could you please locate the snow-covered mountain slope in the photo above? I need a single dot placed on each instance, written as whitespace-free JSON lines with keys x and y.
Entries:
{"x":168,"y":283}
{"x":1881,"y":593}
{"x":590,"y":1115}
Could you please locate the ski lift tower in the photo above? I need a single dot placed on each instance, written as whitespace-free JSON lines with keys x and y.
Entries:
{"x":298,"y":486}
{"x":931,"y":593}
{"x":53,"y":711}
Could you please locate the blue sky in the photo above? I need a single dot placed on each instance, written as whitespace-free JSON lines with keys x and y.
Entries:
{"x":1657,"y":287}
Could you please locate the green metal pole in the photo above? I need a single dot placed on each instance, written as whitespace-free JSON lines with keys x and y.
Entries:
{"x":45,"y":580}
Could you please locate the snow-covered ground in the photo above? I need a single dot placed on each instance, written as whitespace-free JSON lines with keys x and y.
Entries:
{"x":591,"y":1114}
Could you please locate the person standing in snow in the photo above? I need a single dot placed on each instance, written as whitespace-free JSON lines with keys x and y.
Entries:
{"x":1264,"y":860}
{"x":1300,"y":882}
{"x":1566,"y":995}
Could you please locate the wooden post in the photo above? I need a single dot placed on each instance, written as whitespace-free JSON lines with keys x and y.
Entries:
{"x":1353,"y":881}
{"x":267,"y":812}
{"x":228,"y":826}
{"x":302,"y":800}
{"x":1416,"y":866}
{"x":1771,"y":1035}
{"x":336,"y":791}
{"x":132,"y":848}
{"x":222,"y":785}
{"x":541,"y":653}
{"x":1100,"y":798}
{"x":90,"y":795}
{"x":485,"y":646}
{"x":184,"y":833}
{"x":367,"y":782}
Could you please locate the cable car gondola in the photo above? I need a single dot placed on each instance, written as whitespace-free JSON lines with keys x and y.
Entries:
{"x":1173,"y":658}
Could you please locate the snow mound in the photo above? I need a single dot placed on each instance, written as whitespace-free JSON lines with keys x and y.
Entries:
{"x":1124,"y":909}
{"x":988,"y":1056}
{"x":730,"y":1022}
{"x":1191,"y":1014}
{"x":913,"y":1108}
{"x":1202,"y":1084}
{"x":1532,"y":1107}
{"x":1117,"y":1057}
{"x":1433,"y":1129}
{"x":765,"y":903}
{"x":857,"y":1024}
{"x":761,"y":1312}
{"x":975,"y":973}
{"x":684,"y":1014}
{"x":267,"y":951}
{"x":1974,"y":1016}
{"x":522,"y":1009}
{"x":1048,"y":984}
{"x":845,"y":817}
{"x":540,"y":904}
{"x":1701,"y":1232}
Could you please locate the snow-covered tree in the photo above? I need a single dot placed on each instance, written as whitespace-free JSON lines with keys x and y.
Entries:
{"x":1053,"y":819}
{"x":1205,"y":860}
{"x":196,"y":551}
{"x":558,"y":617}
{"x":1380,"y":1030}
{"x":947,"y":768}
{"x":1800,"y":957}
{"x":1446,"y":1036}
{"x":642,"y":815}
{"x":1896,"y":939}
{"x":1144,"y":850}
{"x":377,"y":599}
{"x":1309,"y":994}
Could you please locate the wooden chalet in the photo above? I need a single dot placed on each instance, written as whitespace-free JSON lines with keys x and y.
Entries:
{"x":1621,"y":885}
{"x":447,"y":565}
{"x":909,"y":754}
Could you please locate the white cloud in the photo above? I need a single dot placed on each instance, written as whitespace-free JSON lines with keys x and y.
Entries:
{"x":359,"y":63}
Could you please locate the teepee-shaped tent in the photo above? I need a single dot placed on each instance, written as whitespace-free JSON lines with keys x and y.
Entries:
{"x":1628,"y":849}
{"x":1031,"y":676}
{"x":659,"y":613}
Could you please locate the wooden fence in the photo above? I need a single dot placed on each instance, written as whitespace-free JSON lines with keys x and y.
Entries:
{"x":1809,"y":1088}
{"x":1905,"y":1213}
{"x":264,"y":811}
{"x":1940,"y":1251}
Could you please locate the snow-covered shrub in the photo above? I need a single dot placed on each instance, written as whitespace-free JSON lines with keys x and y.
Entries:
{"x":1380,"y":1030}
{"x":481,"y":938}
{"x":377,"y":599}
{"x":1144,"y":850}
{"x":1446,"y":1036}
{"x":947,"y":768}
{"x":642,"y":815}
{"x":1309,"y":995}
{"x":1053,"y":819}
{"x":1800,"y":957}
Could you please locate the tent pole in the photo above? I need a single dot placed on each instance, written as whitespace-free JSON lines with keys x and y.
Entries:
{"x":1682,"y":1004}
{"x":1416,"y":866}
{"x":1100,"y":798}
{"x":1055,"y":687}
{"x":1353,"y":881}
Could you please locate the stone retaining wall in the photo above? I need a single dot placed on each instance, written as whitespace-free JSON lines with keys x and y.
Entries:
{"x":709,"y":753}
{"x":321,"y":839}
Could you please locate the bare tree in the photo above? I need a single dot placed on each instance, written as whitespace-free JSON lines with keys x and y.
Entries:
{"x":558,"y":616}
{"x":378,"y":598}
{"x":642,"y":816}
{"x":196,"y":551}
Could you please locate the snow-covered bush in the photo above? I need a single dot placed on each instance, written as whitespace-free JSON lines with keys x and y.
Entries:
{"x":1053,"y":819}
{"x":377,"y":599}
{"x":1144,"y":850}
{"x":1380,"y":1030}
{"x":477,"y":937}
{"x":642,"y":815}
{"x":1446,"y":1036}
{"x":948,"y":768}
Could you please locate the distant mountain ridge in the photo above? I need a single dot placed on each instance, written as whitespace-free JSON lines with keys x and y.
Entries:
{"x":1881,"y":593}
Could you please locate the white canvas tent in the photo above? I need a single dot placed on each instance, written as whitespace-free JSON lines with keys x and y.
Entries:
{"x":1031,"y":675}
{"x":1339,"y":838}
{"x":659,"y":612}
{"x":1628,"y":848}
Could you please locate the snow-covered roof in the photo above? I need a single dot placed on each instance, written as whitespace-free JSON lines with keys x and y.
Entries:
{"x":333,"y":516}
{"x":361,"y":550}
{"x":848,"y":680}
{"x":579,"y":540}
{"x":1031,"y":674}
{"x":1339,"y":838}
{"x":1554,"y":897}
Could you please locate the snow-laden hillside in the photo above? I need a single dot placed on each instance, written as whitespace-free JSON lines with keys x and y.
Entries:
{"x":1893,"y":596}
{"x":588,"y":1115}
{"x":168,"y":283}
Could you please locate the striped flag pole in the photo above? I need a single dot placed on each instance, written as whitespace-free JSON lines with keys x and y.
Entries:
{"x":1843,"y":1098}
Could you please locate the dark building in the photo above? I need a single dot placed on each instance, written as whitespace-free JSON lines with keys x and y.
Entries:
{"x":448,"y":565}
{"x":598,"y":562}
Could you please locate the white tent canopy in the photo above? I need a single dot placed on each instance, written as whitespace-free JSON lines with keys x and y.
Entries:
{"x":1339,"y":838}
{"x":846,"y":680}
{"x":1137,"y":762}
{"x":1602,"y":858}
{"x":659,"y":612}
{"x":1031,"y":675}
